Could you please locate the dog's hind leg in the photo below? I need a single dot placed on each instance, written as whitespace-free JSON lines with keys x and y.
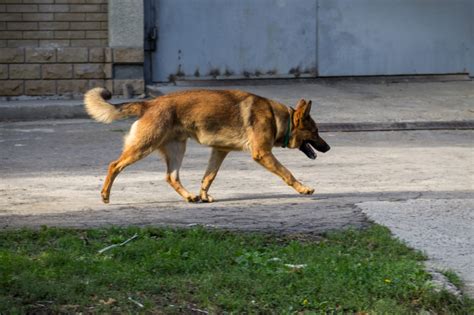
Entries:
{"x":173,"y":153}
{"x":137,"y":146}
{"x":215,"y":162}
{"x":130,"y":155}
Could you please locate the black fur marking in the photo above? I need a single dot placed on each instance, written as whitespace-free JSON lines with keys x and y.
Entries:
{"x":106,"y":95}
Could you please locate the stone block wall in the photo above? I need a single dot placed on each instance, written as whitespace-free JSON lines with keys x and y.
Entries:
{"x":53,"y":23}
{"x":60,"y":47}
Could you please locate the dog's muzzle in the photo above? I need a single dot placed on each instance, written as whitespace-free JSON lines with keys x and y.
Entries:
{"x":308,"y":145}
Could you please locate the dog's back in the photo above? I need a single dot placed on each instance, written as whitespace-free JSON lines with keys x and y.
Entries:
{"x":217,"y":118}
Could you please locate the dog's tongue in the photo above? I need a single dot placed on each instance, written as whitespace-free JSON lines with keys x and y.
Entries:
{"x":308,"y":150}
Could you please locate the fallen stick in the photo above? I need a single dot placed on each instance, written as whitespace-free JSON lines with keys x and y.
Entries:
{"x":117,"y":245}
{"x":199,"y":311}
{"x":136,"y":303}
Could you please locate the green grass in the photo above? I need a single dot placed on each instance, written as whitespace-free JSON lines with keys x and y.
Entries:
{"x":453,"y":278}
{"x":174,"y":271}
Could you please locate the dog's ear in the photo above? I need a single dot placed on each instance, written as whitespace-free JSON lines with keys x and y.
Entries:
{"x":302,"y":110}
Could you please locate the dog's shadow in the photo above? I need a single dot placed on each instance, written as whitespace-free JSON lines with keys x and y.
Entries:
{"x":262,"y":197}
{"x":371,"y":195}
{"x":219,"y":200}
{"x":293,"y":198}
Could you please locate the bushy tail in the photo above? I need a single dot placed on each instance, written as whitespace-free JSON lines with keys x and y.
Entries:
{"x":98,"y":108}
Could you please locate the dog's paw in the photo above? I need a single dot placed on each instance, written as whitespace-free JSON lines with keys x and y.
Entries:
{"x":105,"y":199}
{"x":305,"y":190}
{"x":206,"y":198}
{"x":192,"y":198}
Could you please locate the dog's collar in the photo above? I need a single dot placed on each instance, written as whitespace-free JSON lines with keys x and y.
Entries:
{"x":286,"y":139}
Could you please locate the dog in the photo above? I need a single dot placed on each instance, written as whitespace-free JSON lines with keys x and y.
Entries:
{"x":225,"y":120}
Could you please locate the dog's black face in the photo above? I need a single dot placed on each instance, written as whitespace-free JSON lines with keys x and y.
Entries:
{"x":316,"y":142}
{"x":305,"y":134}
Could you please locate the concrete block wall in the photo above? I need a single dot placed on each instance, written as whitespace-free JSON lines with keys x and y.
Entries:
{"x":53,"y":23}
{"x":60,"y":47}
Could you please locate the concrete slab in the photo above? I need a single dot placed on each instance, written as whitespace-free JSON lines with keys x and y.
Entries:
{"x":126,"y":23}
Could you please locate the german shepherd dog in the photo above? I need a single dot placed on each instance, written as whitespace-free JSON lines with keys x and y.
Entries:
{"x":224,"y":120}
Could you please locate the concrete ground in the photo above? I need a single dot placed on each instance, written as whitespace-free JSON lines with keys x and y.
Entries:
{"x":418,"y":183}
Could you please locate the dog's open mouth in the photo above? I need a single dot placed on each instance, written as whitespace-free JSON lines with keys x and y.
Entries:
{"x":308,"y":150}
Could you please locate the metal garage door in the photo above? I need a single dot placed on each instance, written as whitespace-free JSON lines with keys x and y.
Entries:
{"x":234,"y":39}
{"x":391,"y":37}
{"x":205,"y":39}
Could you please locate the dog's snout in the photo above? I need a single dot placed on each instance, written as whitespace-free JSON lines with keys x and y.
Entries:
{"x":326,"y":148}
{"x":322,"y":145}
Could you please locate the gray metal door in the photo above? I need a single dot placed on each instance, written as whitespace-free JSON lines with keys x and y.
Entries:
{"x":205,"y":39}
{"x":390,"y":37}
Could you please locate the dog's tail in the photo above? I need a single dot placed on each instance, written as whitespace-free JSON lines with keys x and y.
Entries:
{"x":98,"y":108}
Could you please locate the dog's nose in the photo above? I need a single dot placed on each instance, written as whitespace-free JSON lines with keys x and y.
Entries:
{"x":323,"y":146}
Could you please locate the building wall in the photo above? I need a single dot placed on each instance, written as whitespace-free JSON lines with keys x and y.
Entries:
{"x":60,"y":47}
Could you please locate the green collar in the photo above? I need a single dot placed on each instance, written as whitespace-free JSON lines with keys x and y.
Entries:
{"x":288,"y":131}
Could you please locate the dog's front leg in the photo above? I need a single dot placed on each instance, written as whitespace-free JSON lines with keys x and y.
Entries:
{"x":270,"y":162}
{"x":213,"y":166}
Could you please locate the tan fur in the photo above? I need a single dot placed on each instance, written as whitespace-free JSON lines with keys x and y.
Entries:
{"x":224,"y":120}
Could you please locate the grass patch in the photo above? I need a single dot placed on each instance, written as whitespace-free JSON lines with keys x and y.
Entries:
{"x":453,"y":278}
{"x":176,"y":270}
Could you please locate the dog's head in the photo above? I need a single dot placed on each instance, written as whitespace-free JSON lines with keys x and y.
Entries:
{"x":304,"y":134}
